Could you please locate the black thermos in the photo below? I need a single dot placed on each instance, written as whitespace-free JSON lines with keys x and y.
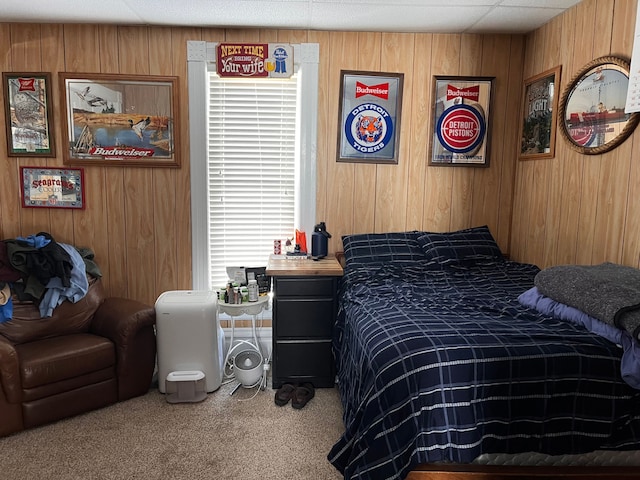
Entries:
{"x":320,"y":241}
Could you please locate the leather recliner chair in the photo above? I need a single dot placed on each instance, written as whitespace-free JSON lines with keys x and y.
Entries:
{"x":88,"y":355}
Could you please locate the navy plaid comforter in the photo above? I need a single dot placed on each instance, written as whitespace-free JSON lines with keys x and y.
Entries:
{"x":443,"y":364}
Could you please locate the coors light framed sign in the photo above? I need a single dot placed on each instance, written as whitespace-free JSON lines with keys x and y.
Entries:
{"x":369,"y":117}
{"x":461,"y":112}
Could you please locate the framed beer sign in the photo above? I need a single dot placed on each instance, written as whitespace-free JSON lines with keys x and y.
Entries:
{"x":369,"y":117}
{"x":120,"y":120}
{"x":52,"y":187}
{"x":461,"y":116}
{"x":28,"y":117}
{"x":538,"y":117}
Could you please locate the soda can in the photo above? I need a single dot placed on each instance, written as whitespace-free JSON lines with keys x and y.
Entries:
{"x":277,"y":247}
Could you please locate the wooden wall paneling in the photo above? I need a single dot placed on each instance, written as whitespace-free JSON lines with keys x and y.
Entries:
{"x":553,"y":45}
{"x":325,"y":149}
{"x":590,"y":163}
{"x":134,"y":47}
{"x":242,"y":35}
{"x":517,"y":246}
{"x":611,"y":210}
{"x":165,"y":221}
{"x":551,"y":54}
{"x":81,"y":48}
{"x":511,"y":142}
{"x":114,"y":264}
{"x":90,"y":226}
{"x":538,"y":209}
{"x":569,"y":199}
{"x":531,"y":53}
{"x":267,"y":35}
{"x":623,"y":32}
{"x":539,"y":52}
{"x":486,"y":181}
{"x":603,"y":27}
{"x":206,"y":35}
{"x":340,"y":176}
{"x":600,"y":170}
{"x":535,"y":225}
{"x":490,"y":187}
{"x":463,"y":195}
{"x":421,"y":126}
{"x":27,"y":57}
{"x":391,"y":199}
{"x":631,"y":238}
{"x":622,"y":45}
{"x":165,"y":227}
{"x":615,"y":165}
{"x":561,"y":241}
{"x":532,"y":214}
{"x":139,"y":215}
{"x":61,"y":221}
{"x":290,"y":36}
{"x":108,"y":40}
{"x":134,"y":51}
{"x":9,"y":217}
{"x":364,"y":198}
{"x":180,"y":37}
{"x":438,"y":183}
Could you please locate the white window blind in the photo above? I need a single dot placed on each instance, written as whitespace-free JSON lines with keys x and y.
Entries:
{"x":252,"y":150}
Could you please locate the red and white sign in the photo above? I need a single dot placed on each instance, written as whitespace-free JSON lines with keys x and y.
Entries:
{"x":381,"y":90}
{"x":27,"y":84}
{"x":469,"y":93}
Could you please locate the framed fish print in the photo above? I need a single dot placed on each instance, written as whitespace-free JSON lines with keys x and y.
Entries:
{"x":592,"y":108}
{"x":28,"y":121}
{"x":369,"y":117}
{"x":120,"y":120}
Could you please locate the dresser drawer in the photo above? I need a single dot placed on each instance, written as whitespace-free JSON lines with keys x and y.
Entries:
{"x":297,"y":317}
{"x":304,"y":359}
{"x":305,"y":286}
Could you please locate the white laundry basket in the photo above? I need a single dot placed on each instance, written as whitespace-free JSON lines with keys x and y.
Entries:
{"x":190,"y":340}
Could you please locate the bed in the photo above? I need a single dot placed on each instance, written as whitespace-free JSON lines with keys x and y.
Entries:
{"x":441,"y":367}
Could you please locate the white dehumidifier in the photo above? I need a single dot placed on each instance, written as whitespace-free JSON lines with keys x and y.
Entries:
{"x":190,"y":345}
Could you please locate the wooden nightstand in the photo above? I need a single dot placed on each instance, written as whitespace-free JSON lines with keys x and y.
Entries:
{"x":305,"y":304}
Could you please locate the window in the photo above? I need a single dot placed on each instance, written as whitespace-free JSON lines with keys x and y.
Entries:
{"x":252,"y":143}
{"x":252,"y":160}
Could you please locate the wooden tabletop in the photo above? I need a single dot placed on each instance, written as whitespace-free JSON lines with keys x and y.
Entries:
{"x":280,"y":266}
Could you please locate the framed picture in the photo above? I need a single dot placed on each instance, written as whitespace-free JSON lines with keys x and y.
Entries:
{"x":591,"y":111}
{"x":27,"y":101}
{"x":538,"y":116}
{"x":120,"y":120}
{"x":52,"y":187}
{"x":461,"y":115}
{"x":369,"y":117}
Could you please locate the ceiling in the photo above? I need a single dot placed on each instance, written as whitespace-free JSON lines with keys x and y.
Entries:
{"x":435,"y":16}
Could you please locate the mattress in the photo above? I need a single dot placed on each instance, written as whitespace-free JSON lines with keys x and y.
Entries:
{"x":440,"y":363}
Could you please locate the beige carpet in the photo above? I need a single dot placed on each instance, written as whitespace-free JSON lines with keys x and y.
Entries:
{"x":223,"y":437}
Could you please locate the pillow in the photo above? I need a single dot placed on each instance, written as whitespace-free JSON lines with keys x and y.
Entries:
{"x":461,"y":247}
{"x":395,"y":247}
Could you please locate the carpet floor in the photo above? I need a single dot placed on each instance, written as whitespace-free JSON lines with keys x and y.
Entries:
{"x":241,"y":436}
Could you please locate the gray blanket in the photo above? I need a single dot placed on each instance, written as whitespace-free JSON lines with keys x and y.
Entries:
{"x":608,"y":292}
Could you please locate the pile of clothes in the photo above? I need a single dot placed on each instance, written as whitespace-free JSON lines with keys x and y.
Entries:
{"x":39,"y":269}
